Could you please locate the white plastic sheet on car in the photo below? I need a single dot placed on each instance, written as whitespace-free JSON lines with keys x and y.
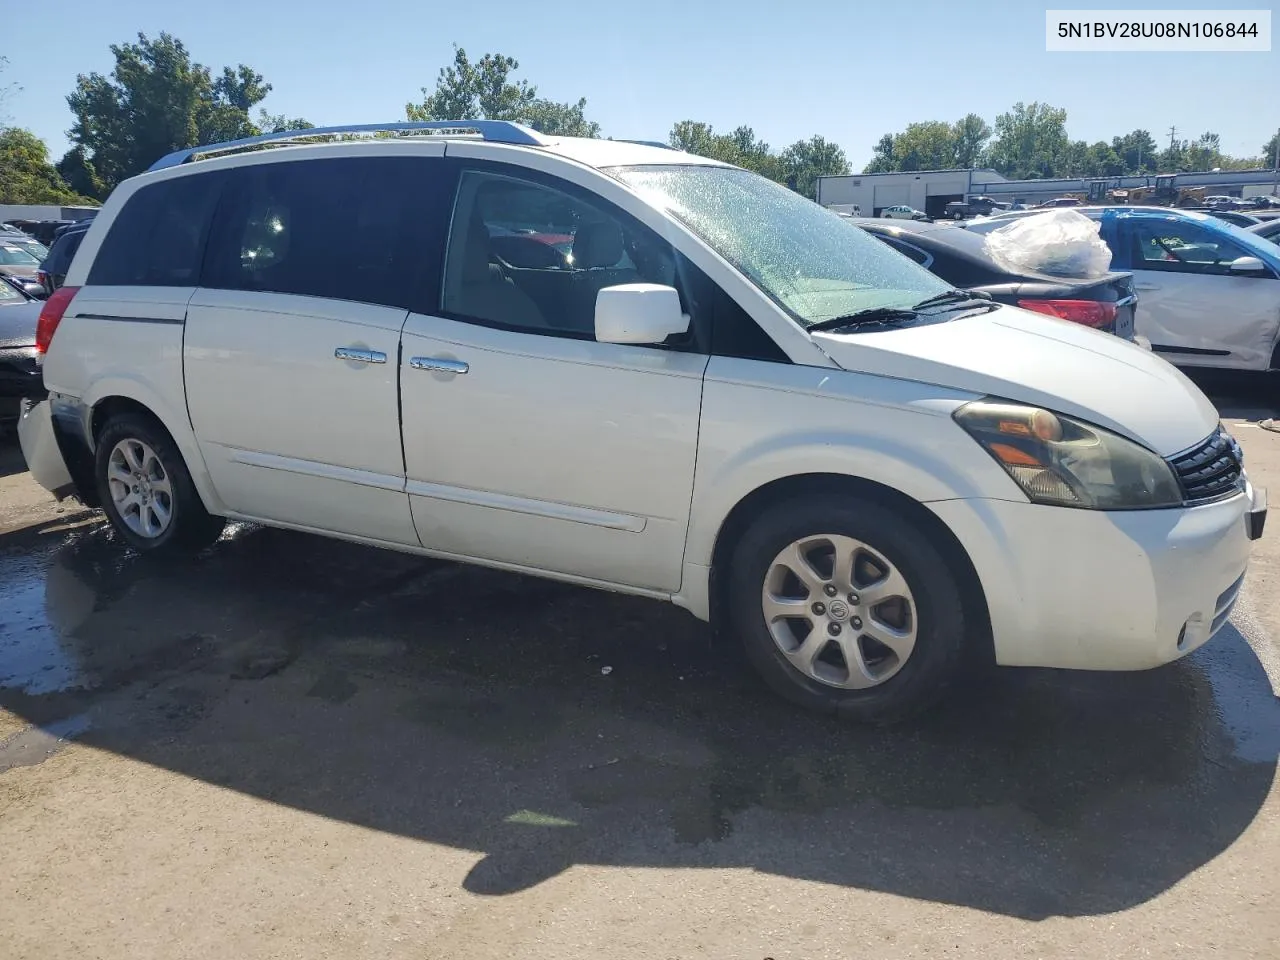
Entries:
{"x":1060,"y":243}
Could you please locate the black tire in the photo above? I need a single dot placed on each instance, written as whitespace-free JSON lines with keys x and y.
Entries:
{"x":191,"y":526}
{"x":940,"y":622}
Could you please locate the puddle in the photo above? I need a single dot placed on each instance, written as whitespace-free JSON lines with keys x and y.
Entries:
{"x":43,"y":603}
{"x":1244,"y":700}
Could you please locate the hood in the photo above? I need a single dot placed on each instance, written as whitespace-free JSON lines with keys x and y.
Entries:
{"x":18,"y":324}
{"x":17,"y":270}
{"x":1032,"y":358}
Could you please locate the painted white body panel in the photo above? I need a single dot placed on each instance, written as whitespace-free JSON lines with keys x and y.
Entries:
{"x":1236,"y":314}
{"x":1026,"y":356}
{"x":570,"y":455}
{"x":616,"y":465}
{"x":287,"y":430}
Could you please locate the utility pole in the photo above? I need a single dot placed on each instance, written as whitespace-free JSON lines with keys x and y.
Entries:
{"x":1173,"y":132}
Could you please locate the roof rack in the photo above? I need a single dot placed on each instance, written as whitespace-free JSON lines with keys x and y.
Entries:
{"x":494,"y":131}
{"x":649,"y":143}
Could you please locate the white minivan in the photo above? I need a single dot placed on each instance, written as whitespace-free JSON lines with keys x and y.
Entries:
{"x":632,"y":368}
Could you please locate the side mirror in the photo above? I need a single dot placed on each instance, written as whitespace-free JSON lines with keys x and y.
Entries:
{"x":1248,"y":265}
{"x":639,"y":313}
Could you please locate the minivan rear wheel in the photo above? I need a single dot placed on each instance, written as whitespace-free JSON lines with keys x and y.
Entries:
{"x":845,"y":606}
{"x":146,"y":490}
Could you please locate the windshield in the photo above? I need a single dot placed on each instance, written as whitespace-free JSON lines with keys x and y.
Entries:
{"x":813,"y":263}
{"x":33,"y":247}
{"x":8,"y":294}
{"x":16,"y":257}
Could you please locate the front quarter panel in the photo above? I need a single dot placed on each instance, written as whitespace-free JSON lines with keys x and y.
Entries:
{"x":763,"y":422}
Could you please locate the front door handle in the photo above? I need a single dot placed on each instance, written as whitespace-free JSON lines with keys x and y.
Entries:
{"x":360,"y":356}
{"x":439,"y":364}
{"x":1146,"y":286}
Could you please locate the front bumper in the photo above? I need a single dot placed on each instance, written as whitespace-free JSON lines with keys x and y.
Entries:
{"x":1095,"y":590}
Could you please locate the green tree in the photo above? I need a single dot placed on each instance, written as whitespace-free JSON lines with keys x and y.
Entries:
{"x":970,"y":136}
{"x":78,"y":173}
{"x":486,"y":90}
{"x":1269,"y":151}
{"x":7,"y":90}
{"x":741,"y":147}
{"x":279,"y":123}
{"x":26,"y":175}
{"x":1029,"y":141}
{"x":155,"y":101}
{"x":883,"y":157}
{"x":1103,"y":161}
{"x":1137,"y":150}
{"x":925,"y":146}
{"x":806,"y":160}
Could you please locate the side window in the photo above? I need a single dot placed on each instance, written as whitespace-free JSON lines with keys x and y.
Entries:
{"x":1180,"y":247}
{"x":907,"y":250}
{"x":527,"y":256}
{"x":354,"y":228}
{"x":157,"y":239}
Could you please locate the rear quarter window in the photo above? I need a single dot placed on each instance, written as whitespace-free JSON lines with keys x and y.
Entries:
{"x":158,"y":238}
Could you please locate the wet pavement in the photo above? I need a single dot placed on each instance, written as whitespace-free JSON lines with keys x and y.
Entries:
{"x":538,"y":727}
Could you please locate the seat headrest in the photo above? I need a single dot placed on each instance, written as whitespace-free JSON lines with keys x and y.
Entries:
{"x":597,"y":245}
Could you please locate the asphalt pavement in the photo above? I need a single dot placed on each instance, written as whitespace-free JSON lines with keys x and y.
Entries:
{"x":291,"y":746}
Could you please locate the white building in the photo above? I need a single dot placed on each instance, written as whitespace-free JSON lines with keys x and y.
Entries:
{"x":927,"y":190}
{"x":932,"y":190}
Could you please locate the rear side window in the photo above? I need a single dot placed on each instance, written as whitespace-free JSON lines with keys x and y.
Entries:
{"x":157,"y":240}
{"x":64,"y":249}
{"x":357,"y":228}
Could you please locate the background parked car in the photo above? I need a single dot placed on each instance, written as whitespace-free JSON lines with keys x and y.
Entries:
{"x":959,"y":257}
{"x":19,"y":371}
{"x":1060,"y":202}
{"x":1267,"y":229}
{"x":1233,"y":217}
{"x":903,"y":212}
{"x":1210,"y":290}
{"x":53,"y":271}
{"x":972,"y":207}
{"x":18,"y":264}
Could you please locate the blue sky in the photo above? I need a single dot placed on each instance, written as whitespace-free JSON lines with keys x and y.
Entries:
{"x":846,"y":70}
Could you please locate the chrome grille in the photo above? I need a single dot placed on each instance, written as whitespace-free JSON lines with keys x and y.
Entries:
{"x":1210,"y":470}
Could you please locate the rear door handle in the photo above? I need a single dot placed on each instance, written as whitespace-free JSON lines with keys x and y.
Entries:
{"x":360,"y":356}
{"x":439,"y":364}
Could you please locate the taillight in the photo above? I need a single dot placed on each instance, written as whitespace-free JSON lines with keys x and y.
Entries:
{"x":1091,"y":313}
{"x":51,"y":315}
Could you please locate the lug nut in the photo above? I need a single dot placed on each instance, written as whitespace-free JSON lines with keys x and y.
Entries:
{"x":819,"y":609}
{"x":857,"y":623}
{"x":829,"y":590}
{"x":833,"y":629}
{"x":853,"y":598}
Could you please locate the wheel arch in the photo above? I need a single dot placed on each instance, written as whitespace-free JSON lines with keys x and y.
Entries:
{"x":810,"y":485}
{"x":109,"y":399}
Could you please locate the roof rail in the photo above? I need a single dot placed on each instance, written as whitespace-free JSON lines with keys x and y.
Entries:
{"x":494,"y":131}
{"x":649,"y":143}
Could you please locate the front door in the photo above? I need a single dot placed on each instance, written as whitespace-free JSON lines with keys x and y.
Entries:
{"x":292,"y":344}
{"x":527,"y":443}
{"x":1192,"y":308}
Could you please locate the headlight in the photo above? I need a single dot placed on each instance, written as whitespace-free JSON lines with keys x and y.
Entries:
{"x":1060,"y":461}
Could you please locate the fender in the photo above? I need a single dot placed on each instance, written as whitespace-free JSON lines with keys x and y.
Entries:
{"x":173,"y":420}
{"x":952,"y":467}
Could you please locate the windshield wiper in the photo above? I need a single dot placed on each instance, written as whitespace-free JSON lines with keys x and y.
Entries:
{"x":953,"y":297}
{"x":865,"y":318}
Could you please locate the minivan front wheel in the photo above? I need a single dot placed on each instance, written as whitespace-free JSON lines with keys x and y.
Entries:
{"x":845,"y":606}
{"x":146,"y":490}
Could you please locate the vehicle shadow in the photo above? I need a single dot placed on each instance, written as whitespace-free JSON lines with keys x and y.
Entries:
{"x":11,"y":461}
{"x":542,"y":726}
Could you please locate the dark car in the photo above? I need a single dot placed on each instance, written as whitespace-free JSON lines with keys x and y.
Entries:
{"x":19,"y":368}
{"x":1267,"y":229}
{"x":973,"y":207}
{"x":53,"y":272}
{"x":959,"y":257}
{"x":1233,"y":216}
